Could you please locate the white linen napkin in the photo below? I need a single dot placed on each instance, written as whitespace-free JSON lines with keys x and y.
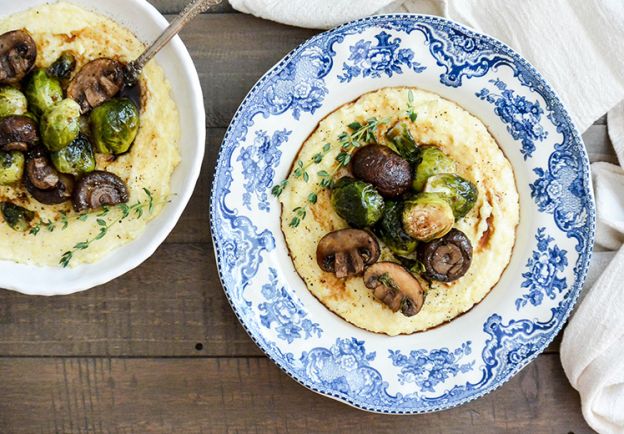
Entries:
{"x":578,"y":45}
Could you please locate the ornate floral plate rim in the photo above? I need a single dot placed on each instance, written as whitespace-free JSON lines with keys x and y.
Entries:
{"x":502,"y":360}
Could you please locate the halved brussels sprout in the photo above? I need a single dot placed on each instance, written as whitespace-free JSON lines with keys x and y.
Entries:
{"x":76,"y":159}
{"x":11,"y":167}
{"x":357,"y":202}
{"x":403,"y":142}
{"x":432,"y":162}
{"x":60,"y":125}
{"x":42,"y":91}
{"x":12,"y":102}
{"x":16,"y":217}
{"x":390,"y":230}
{"x":427,"y":216}
{"x":63,"y":66}
{"x":114,"y":126}
{"x":461,"y":193}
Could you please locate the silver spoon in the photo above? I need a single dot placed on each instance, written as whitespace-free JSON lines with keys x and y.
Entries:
{"x":134,"y":68}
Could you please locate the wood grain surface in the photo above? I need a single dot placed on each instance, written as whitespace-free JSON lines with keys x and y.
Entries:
{"x":159,"y":349}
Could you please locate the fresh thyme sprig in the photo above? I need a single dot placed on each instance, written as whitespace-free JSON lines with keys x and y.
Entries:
{"x":301,"y":170}
{"x":137,"y":210}
{"x":360,"y":135}
{"x":410,"y":106}
{"x":126,"y":211}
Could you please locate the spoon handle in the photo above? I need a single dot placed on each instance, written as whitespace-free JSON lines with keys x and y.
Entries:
{"x":190,"y":11}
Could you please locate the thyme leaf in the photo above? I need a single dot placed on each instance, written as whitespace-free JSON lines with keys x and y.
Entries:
{"x":126,"y":211}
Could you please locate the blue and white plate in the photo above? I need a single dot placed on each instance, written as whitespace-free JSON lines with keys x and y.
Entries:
{"x":475,"y":353}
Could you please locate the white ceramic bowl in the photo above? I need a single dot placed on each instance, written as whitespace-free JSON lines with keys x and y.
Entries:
{"x":146,"y":23}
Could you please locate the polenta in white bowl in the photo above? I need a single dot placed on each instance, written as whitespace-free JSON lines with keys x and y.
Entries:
{"x":91,"y":181}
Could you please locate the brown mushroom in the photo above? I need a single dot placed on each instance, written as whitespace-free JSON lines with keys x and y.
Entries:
{"x":17,"y":133}
{"x":18,"y":53}
{"x":62,"y":192}
{"x":448,"y":258}
{"x":97,"y":82}
{"x":396,"y":287}
{"x":346,"y":252}
{"x":99,"y":188}
{"x":41,"y":173}
{"x":385,"y":169}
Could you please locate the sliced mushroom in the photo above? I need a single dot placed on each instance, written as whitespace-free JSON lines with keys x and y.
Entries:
{"x":40,"y":172}
{"x":17,"y":133}
{"x":97,"y":82}
{"x":448,"y":258}
{"x":385,"y":169}
{"x":99,"y":188}
{"x":62,"y":192}
{"x":346,"y":252}
{"x":18,"y":53}
{"x":396,"y":287}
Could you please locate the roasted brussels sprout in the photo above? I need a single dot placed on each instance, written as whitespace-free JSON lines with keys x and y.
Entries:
{"x":427,"y":216}
{"x":403,"y":142}
{"x":114,"y":126}
{"x":60,"y":125}
{"x":461,"y":193}
{"x":16,"y":217}
{"x":11,"y":167}
{"x":12,"y":102}
{"x":432,"y":162}
{"x":76,"y":159}
{"x":63,"y":66}
{"x":390,"y":230}
{"x":42,"y":91}
{"x":357,"y":202}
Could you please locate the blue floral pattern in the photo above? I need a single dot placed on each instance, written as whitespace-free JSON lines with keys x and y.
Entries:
{"x":427,"y":369}
{"x":544,"y":265}
{"x":522,"y":116}
{"x":259,"y":160}
{"x":345,"y":368}
{"x":385,"y":57}
{"x":288,"y":316}
{"x":460,"y":53}
{"x":342,"y":362}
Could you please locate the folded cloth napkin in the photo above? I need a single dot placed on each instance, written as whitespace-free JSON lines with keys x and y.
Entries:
{"x":578,"y":46}
{"x":592,"y":350}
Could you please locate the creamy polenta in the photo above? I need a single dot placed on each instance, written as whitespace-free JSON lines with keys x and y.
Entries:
{"x":148,"y":165}
{"x":490,"y":225}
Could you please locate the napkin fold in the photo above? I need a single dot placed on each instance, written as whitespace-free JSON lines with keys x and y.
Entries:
{"x":578,"y":45}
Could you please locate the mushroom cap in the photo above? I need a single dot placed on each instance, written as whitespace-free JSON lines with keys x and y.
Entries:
{"x":396,"y":287}
{"x":346,"y":252}
{"x":62,"y":192}
{"x":40,"y":172}
{"x":99,"y":188}
{"x":17,"y":133}
{"x":385,"y":169}
{"x":18,"y":53}
{"x":448,"y":258}
{"x":96,"y":82}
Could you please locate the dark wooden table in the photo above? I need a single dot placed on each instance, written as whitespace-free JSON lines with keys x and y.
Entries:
{"x":159,"y":349}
